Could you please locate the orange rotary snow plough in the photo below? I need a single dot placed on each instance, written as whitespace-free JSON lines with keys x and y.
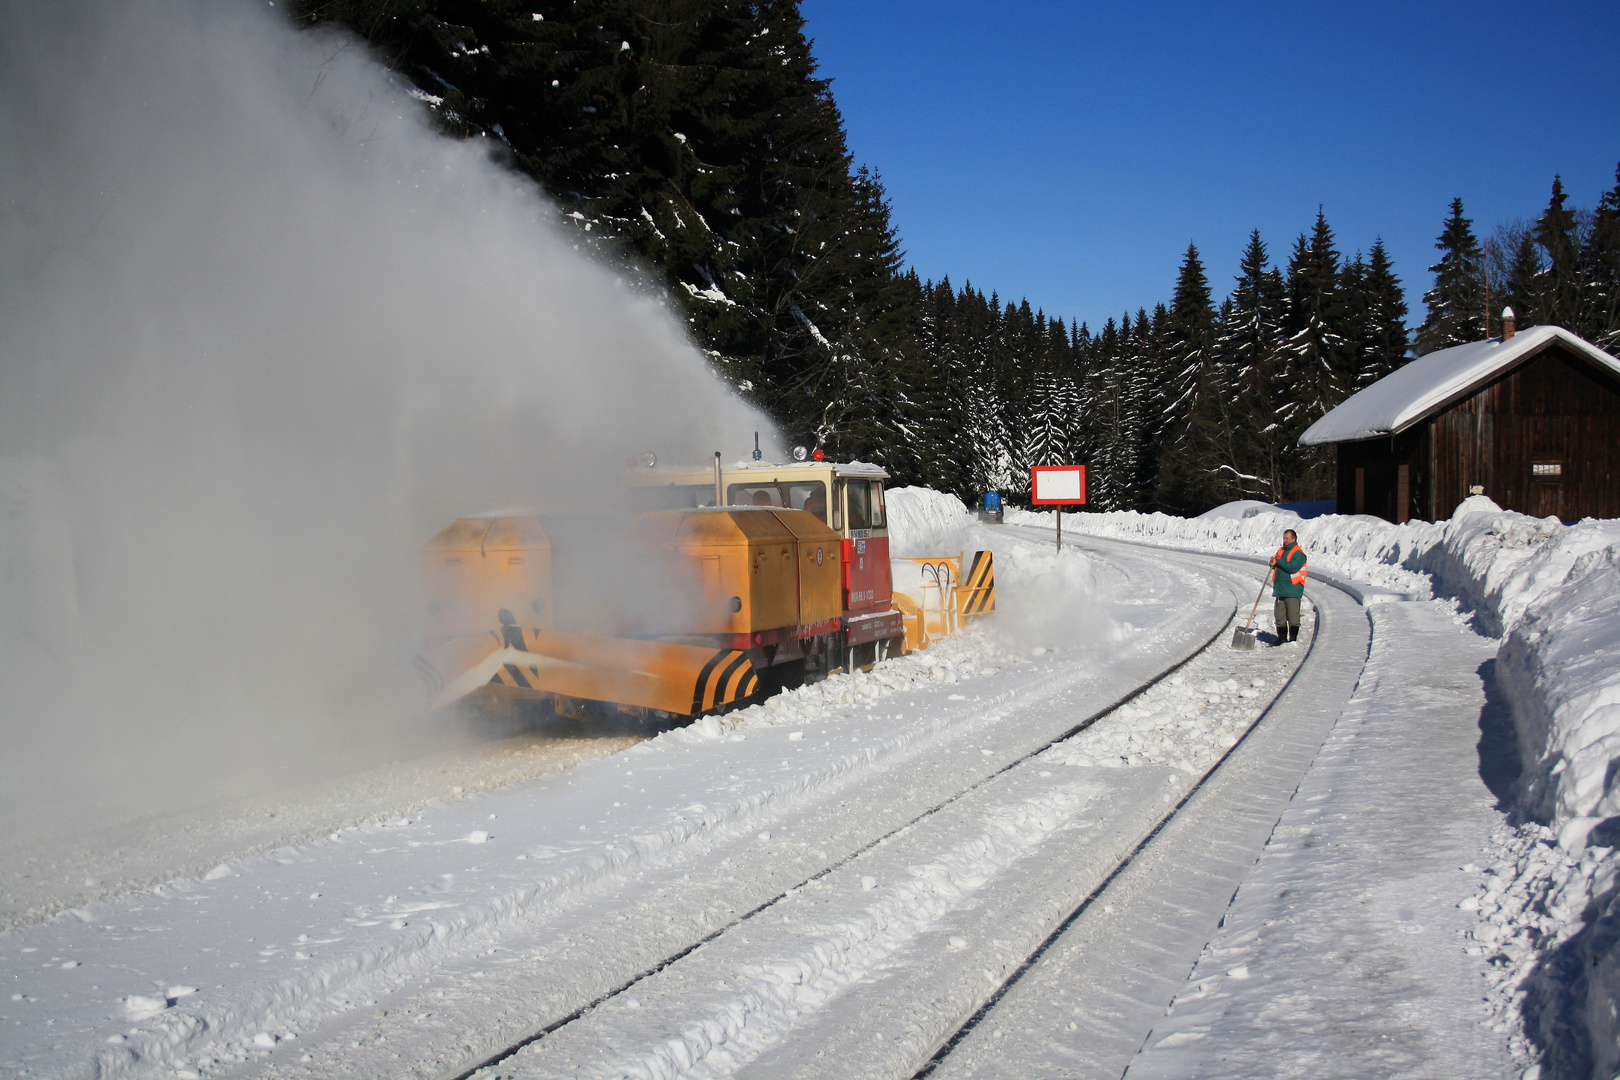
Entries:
{"x":714,"y":590}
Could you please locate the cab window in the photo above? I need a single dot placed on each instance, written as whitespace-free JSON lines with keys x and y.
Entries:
{"x":803,"y":495}
{"x":859,"y":495}
{"x":753,"y":495}
{"x":670,"y":497}
{"x":879,"y":518}
{"x":810,"y":497}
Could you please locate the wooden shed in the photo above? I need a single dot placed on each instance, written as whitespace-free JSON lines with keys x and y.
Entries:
{"x":1532,"y":418}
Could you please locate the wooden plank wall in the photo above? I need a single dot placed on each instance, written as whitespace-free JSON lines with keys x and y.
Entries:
{"x":1556,"y":407}
{"x":1379,"y":461}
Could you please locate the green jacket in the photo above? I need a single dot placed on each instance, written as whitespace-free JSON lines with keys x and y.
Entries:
{"x":1290,"y":572}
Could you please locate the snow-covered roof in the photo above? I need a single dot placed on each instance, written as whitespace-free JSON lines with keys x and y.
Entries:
{"x":1429,"y":383}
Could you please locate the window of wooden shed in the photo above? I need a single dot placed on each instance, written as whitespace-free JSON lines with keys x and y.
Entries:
{"x":1547,"y":472}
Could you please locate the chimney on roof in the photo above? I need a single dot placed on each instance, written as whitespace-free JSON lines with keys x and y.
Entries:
{"x":1507,"y":323}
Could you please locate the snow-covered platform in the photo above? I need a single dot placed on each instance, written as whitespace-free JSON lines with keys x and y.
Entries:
{"x":1346,"y":952}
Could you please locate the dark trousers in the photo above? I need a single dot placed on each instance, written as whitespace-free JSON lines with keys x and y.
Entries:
{"x":1287,"y":611}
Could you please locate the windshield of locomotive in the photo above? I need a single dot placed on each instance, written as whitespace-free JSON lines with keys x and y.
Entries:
{"x":670,"y":497}
{"x":809,"y":495}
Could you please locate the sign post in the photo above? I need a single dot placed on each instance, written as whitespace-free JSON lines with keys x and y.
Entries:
{"x":1060,"y":486}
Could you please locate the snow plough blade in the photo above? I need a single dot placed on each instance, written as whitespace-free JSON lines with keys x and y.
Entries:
{"x":681,"y":680}
{"x":934,"y":598}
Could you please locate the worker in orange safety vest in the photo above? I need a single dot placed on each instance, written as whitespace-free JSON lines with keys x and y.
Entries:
{"x":1288,"y":586}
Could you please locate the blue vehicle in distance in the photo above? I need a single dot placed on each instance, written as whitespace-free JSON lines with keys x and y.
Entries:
{"x":990,"y":507}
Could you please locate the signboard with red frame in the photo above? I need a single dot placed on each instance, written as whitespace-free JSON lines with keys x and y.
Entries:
{"x":1057,"y":485}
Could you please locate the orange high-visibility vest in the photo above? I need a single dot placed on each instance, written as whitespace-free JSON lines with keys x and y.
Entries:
{"x":1284,"y":554}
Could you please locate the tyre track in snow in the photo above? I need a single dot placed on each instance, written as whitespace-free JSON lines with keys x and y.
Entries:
{"x":817,"y":1009}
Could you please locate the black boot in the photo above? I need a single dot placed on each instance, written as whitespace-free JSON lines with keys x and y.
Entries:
{"x":1293,"y":633}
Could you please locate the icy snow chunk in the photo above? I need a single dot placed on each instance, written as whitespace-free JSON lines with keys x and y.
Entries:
{"x":795,"y":736}
{"x":220,"y":871}
{"x":264,"y":1041}
{"x":1239,"y":972}
{"x":140,"y":1007}
{"x":958,"y":943}
{"x":477,"y":836}
{"x":177,"y":992}
{"x":868,"y":882}
{"x":764,"y":836}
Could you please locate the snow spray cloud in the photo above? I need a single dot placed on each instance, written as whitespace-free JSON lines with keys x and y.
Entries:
{"x":261,"y":334}
{"x":1048,"y":598}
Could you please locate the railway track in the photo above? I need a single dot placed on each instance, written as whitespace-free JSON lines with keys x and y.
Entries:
{"x":856,"y":969}
{"x":879,"y":894}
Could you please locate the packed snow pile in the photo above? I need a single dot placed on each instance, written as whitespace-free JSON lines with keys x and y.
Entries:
{"x":1551,"y":592}
{"x":923,"y":521}
{"x":1243,"y":509}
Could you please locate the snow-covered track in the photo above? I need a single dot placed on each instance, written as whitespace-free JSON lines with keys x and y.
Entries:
{"x":754,"y":894}
{"x":835,"y":971}
{"x":1107,"y":973}
{"x":877,"y":982}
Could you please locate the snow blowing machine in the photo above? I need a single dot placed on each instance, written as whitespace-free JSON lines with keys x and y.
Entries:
{"x":714,"y":589}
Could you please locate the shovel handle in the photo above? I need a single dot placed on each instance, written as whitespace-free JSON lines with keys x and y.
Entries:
{"x":1258,"y":595}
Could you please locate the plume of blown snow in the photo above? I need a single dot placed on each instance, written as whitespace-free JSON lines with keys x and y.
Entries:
{"x":262,"y":333}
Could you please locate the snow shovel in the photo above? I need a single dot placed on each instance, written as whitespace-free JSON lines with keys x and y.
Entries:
{"x":1243,"y":636}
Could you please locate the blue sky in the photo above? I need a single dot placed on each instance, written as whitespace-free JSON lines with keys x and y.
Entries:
{"x":1068,"y":152}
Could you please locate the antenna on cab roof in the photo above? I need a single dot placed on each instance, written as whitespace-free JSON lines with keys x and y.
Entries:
{"x":757,"y":454}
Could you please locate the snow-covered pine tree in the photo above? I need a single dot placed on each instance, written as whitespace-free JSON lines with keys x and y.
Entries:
{"x":1600,"y":272}
{"x":1249,"y":347}
{"x":1108,"y":453}
{"x":1385,"y":339}
{"x":1457,"y":302}
{"x":1314,"y":346}
{"x":1146,"y":390}
{"x":1192,"y":413}
{"x":875,"y":391}
{"x":1046,"y":430}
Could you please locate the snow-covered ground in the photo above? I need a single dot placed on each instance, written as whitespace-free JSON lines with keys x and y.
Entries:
{"x":1543,"y":893}
{"x":428,"y":942}
{"x":836,"y":881}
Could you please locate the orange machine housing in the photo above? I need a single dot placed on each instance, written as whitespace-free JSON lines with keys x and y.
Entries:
{"x":675,"y":611}
{"x":750,"y":576}
{"x":477,"y":566}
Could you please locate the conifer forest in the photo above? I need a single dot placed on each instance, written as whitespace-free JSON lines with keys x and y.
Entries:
{"x":692,"y":143}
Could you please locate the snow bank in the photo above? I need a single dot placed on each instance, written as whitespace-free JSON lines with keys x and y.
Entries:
{"x":1552,"y":594}
{"x":923,"y":522}
{"x":1045,"y":598}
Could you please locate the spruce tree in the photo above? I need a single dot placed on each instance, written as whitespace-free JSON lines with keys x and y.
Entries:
{"x":1250,"y":350}
{"x":1315,"y":351}
{"x":1457,"y":302}
{"x":1560,"y":286}
{"x":1524,"y":277}
{"x":1383,"y":338}
{"x":1192,"y":410}
{"x":1112,"y":456}
{"x":1600,"y":272}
